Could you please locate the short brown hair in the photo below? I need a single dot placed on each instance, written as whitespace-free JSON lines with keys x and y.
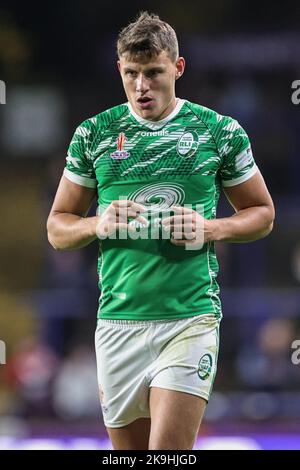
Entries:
{"x":147,"y":37}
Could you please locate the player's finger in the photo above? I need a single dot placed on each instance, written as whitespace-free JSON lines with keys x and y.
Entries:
{"x":123,"y":217}
{"x":133,"y":213}
{"x":180,"y":227}
{"x":124,"y":227}
{"x":126,"y":204}
{"x":131,"y":226}
{"x":181,"y":209}
{"x":142,"y":220}
{"x":177,"y":219}
{"x":122,"y":203}
{"x":186,"y":228}
{"x":180,"y":235}
{"x":178,"y":242}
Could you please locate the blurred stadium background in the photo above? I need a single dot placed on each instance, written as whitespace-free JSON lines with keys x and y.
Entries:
{"x":58,"y":62}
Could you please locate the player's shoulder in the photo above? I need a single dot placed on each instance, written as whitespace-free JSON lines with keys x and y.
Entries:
{"x":211,"y":118}
{"x":104,"y":119}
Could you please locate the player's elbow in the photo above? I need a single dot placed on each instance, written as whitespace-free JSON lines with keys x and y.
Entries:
{"x":269,"y":220}
{"x":271,"y":217}
{"x":269,"y":229}
{"x":54,"y":243}
{"x":52,"y":235}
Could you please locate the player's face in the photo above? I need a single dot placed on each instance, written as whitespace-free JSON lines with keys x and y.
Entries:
{"x":150,"y":85}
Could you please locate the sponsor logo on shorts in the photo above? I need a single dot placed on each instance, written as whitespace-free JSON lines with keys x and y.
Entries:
{"x":205,"y":366}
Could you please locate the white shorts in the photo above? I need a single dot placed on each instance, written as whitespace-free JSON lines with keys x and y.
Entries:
{"x":133,"y":356}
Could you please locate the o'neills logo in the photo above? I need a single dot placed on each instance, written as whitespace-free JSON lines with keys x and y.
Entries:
{"x":120,"y":154}
{"x":161,"y":133}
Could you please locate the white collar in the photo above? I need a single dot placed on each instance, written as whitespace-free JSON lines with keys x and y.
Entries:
{"x":155,"y":125}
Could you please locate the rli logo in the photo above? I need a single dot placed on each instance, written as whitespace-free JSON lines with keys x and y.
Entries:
{"x":2,"y":92}
{"x":2,"y":352}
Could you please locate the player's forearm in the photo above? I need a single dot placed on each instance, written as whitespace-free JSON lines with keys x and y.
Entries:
{"x":70,"y":231}
{"x":246,"y":225}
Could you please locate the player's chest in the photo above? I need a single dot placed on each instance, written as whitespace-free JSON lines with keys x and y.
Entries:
{"x":175,"y":152}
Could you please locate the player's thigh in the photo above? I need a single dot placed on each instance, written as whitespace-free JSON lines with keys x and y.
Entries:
{"x":175,"y":419}
{"x":134,"y":436}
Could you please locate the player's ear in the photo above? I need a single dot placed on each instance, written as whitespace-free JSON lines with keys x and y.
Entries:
{"x":180,"y":66}
{"x":119,"y":66}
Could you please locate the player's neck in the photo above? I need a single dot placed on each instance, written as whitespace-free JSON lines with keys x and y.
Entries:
{"x":169,"y":109}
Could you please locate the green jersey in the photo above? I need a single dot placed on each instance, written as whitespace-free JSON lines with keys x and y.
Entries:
{"x":184,"y":159}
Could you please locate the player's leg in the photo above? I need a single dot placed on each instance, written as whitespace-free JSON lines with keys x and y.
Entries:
{"x":123,"y":385}
{"x":175,"y":419}
{"x":182,"y":380}
{"x":134,"y":436}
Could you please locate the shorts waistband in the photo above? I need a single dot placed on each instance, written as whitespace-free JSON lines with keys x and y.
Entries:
{"x":138,"y":323}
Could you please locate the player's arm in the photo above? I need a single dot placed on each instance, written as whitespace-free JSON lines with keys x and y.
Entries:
{"x":67,"y":226}
{"x":244,"y":187}
{"x":254,"y":214}
{"x":253,"y":218}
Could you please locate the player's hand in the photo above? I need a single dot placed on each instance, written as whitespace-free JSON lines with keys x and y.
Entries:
{"x":188,"y":228}
{"x":115,"y":218}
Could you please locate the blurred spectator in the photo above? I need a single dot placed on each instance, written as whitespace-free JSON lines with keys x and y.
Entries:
{"x":30,"y":372}
{"x":75,"y":393}
{"x":266,"y":365}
